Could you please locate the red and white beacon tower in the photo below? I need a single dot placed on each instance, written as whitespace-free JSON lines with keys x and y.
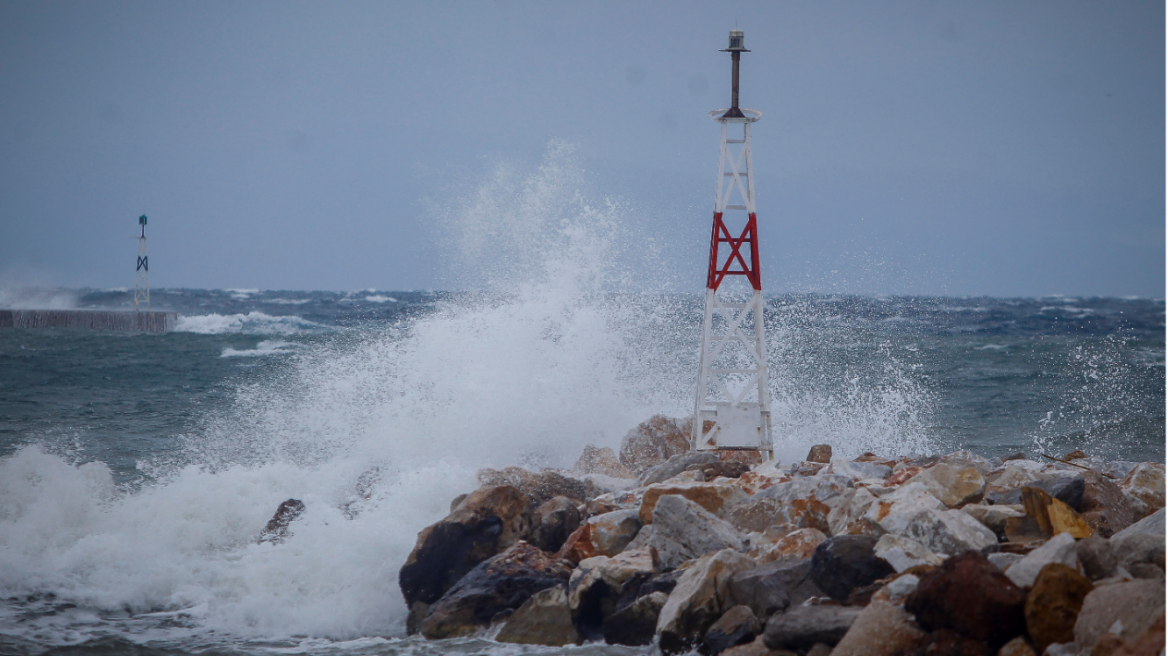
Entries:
{"x":732,"y":390}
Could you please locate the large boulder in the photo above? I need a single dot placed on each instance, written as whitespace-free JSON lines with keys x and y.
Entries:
{"x":635,"y":624}
{"x":1059,"y":549}
{"x":803,"y":627}
{"x":881,"y":629}
{"x":557,"y":518}
{"x":1104,"y":506}
{"x":996,"y":517}
{"x":799,"y":544}
{"x":503,"y":582}
{"x":541,"y":486}
{"x":953,"y":485}
{"x":737,"y":626}
{"x":1152,"y":525}
{"x":804,"y":502}
{"x":971,"y":596}
{"x":714,"y":497}
{"x":544,"y":619}
{"x":774,"y":587}
{"x":949,"y":532}
{"x":652,"y":443}
{"x":611,"y":532}
{"x":846,"y":562}
{"x":702,"y":595}
{"x":847,"y":516}
{"x":1096,"y":557}
{"x":1125,"y":609}
{"x":1053,"y":516}
{"x":595,"y":587}
{"x":1053,"y":605}
{"x":276,"y":530}
{"x":895,"y":511}
{"x":489,"y":520}
{"x":904,"y":553}
{"x":601,"y":461}
{"x":1144,"y":488}
{"x":683,"y":530}
{"x":690,"y":461}
{"x":1068,"y":489}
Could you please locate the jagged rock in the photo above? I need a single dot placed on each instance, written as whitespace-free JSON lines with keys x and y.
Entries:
{"x":714,"y":497}
{"x":846,"y":562}
{"x":949,"y":532}
{"x":1003,"y":560}
{"x":1053,"y":605}
{"x":1104,"y":506}
{"x":652,"y":443}
{"x":640,"y":585}
{"x":558,"y":518}
{"x":544,"y":619}
{"x":895,"y":511}
{"x":1149,"y":643}
{"x":806,"y":468}
{"x":947,"y":642}
{"x":796,"y":545}
{"x":994,"y":517}
{"x":1096,"y":557}
{"x":1067,"y":489}
{"x":676,"y":465}
{"x":578,"y":546}
{"x":971,"y":596}
{"x":756,"y":648}
{"x":701,"y":596}
{"x":635,"y":624}
{"x":803,"y":627}
{"x":1152,"y":524}
{"x":1126,"y":609}
{"x":798,"y":503}
{"x":774,"y":587}
{"x":1017,"y":647}
{"x":500,"y":583}
{"x":736,"y":626}
{"x":683,"y":530}
{"x":860,"y":471}
{"x":276,"y":530}
{"x":489,"y":520}
{"x":881,"y":629}
{"x":601,"y":461}
{"x":540,"y":486}
{"x":722,"y":469}
{"x":612,"y":532}
{"x":820,"y":453}
{"x":1053,"y":516}
{"x":1059,"y":549}
{"x":902,"y":474}
{"x":904,"y":553}
{"x":1144,"y":489}
{"x":953,"y":486}
{"x":595,"y":587}
{"x":847,"y":516}
{"x":898,"y":589}
{"x":1138,"y":548}
{"x":417,"y":613}
{"x":641,"y":540}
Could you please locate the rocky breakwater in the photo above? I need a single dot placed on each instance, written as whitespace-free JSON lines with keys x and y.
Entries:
{"x":951,"y":554}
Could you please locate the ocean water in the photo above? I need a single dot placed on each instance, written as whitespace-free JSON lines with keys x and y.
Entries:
{"x":136,"y":471}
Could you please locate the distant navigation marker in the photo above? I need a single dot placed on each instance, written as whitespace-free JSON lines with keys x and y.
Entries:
{"x":733,"y":396}
{"x":142,"y":284}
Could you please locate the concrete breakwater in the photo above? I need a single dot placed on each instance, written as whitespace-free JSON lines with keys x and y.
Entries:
{"x":150,"y":321}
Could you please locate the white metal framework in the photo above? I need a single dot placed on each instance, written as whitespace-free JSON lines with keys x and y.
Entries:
{"x":142,"y":283}
{"x":732,"y":400}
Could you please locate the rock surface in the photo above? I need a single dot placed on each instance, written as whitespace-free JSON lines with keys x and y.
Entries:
{"x":1144,"y":489}
{"x":653,"y":442}
{"x":611,"y":532}
{"x":736,"y":626}
{"x":702,"y":595}
{"x":882,"y":629}
{"x":544,"y":619}
{"x":904,"y":553}
{"x":846,"y":562}
{"x":1096,"y":557}
{"x":276,"y":530}
{"x":953,"y":485}
{"x":595,"y":587}
{"x":1104,"y":506}
{"x":1053,"y":516}
{"x":556,"y":518}
{"x":683,"y":530}
{"x":1126,"y":609}
{"x":540,"y":486}
{"x":714,"y":497}
{"x":796,"y":545}
{"x":635,"y":624}
{"x":971,"y":596}
{"x":820,"y":453}
{"x":601,"y":461}
{"x":1053,"y":605}
{"x":949,"y":532}
{"x":774,"y":587}
{"x":676,"y":465}
{"x":1059,"y":549}
{"x":803,"y":627}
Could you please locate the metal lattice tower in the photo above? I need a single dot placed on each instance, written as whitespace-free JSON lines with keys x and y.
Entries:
{"x":142,"y":284}
{"x":732,"y":405}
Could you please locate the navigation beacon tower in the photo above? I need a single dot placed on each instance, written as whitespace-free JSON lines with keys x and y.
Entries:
{"x":732,"y":405}
{"x":142,"y":284}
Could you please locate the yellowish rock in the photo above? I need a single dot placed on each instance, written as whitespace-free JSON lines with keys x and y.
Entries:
{"x":1053,"y":516}
{"x":1144,"y":489}
{"x":714,"y":497}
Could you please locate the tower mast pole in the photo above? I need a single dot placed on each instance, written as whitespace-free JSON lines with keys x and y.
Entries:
{"x":142,"y":281}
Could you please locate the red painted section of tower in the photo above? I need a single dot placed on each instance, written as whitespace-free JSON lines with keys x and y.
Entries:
{"x":721,"y":235}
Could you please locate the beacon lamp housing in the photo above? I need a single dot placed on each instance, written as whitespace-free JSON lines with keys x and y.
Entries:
{"x":142,"y":220}
{"x":736,"y":42}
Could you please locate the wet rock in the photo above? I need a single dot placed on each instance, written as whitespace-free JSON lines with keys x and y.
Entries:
{"x":503,"y":582}
{"x":949,"y":532}
{"x":722,"y":469}
{"x":1053,"y":516}
{"x":847,"y":517}
{"x":1104,"y":506}
{"x":276,"y":530}
{"x":1053,"y":605}
{"x":701,"y":596}
{"x":953,"y":485}
{"x":1144,"y":489}
{"x":774,"y":587}
{"x":796,"y":545}
{"x":1096,"y":557}
{"x":544,"y":619}
{"x":902,"y":474}
{"x":994,"y":517}
{"x":860,"y":471}
{"x":676,"y":465}
{"x":846,"y":562}
{"x":640,"y":585}
{"x":895,"y":511}
{"x":737,"y":626}
{"x":1067,"y":489}
{"x":1059,"y":549}
{"x":820,"y":453}
{"x":904,"y":553}
{"x":1152,"y":524}
{"x":801,"y":628}
{"x":578,"y":546}
{"x":971,"y":596}
{"x":540,"y":486}
{"x":1126,"y":609}
{"x":714,"y":497}
{"x":635,"y":624}
{"x":558,"y":518}
{"x":1138,"y":548}
{"x":612,"y":532}
{"x":798,"y":503}
{"x":595,"y":587}
{"x":805,"y":468}
{"x":601,"y":461}
{"x":1017,"y":647}
{"x":947,"y":642}
{"x":653,"y":442}
{"x":756,"y":648}
{"x":488,"y":521}
{"x":417,"y":613}
{"x":881,"y":629}
{"x":683,"y":530}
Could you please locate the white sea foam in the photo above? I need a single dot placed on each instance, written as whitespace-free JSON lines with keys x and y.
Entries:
{"x":266,"y":347}
{"x":252,"y":323}
{"x":378,"y":298}
{"x":992,"y":347}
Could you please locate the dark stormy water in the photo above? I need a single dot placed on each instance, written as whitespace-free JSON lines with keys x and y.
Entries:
{"x":136,"y":470}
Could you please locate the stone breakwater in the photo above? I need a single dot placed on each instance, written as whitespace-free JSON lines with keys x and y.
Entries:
{"x":876,"y":556}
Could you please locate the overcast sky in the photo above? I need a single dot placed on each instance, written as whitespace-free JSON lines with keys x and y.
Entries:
{"x":962,"y":148}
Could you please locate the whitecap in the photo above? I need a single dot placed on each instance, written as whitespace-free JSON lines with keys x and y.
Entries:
{"x":252,"y":323}
{"x":266,"y":347}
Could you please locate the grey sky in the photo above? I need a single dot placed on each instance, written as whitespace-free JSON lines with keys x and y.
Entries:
{"x":1002,"y":148}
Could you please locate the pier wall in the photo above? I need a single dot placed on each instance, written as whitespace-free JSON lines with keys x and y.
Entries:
{"x":151,"y":321}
